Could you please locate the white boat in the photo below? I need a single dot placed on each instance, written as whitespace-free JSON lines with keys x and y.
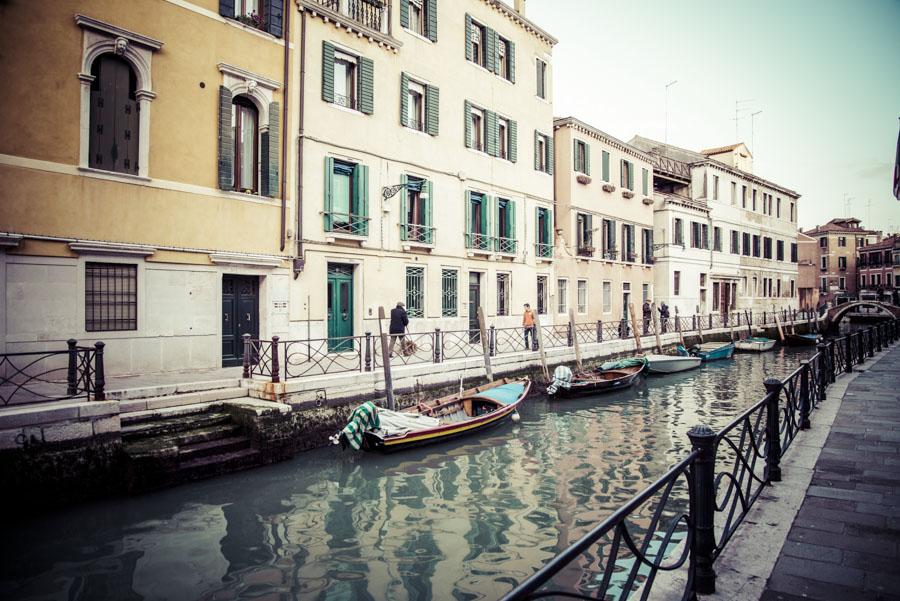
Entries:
{"x":755,"y":344}
{"x":670,"y":364}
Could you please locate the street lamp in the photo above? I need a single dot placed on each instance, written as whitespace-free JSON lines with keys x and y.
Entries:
{"x":666,"y":134}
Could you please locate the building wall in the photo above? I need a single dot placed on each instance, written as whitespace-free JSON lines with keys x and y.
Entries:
{"x":808,"y":271}
{"x":831,"y":276}
{"x":689,"y":263}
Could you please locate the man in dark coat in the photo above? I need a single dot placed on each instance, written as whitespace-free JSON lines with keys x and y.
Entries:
{"x":664,"y":316}
{"x":397,"y":329}
{"x":648,"y":315}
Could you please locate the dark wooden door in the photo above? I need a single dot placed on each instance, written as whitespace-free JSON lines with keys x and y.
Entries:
{"x":240,"y":315}
{"x":474,"y":303}
{"x":113,"y":140}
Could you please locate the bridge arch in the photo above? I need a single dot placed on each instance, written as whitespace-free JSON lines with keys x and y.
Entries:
{"x":835,"y":314}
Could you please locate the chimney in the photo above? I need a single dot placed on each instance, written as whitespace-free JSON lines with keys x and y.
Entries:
{"x":520,"y":7}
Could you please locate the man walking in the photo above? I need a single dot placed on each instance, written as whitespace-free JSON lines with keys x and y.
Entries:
{"x":664,"y":316}
{"x":397,"y":329}
{"x":648,"y":315}
{"x":528,"y":325}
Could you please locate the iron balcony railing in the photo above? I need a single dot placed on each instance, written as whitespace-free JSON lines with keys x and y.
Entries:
{"x":544,"y":251}
{"x":372,"y":14}
{"x":347,"y":223}
{"x":478,"y":241}
{"x":415,"y":232}
{"x":610,"y":254}
{"x":586,"y":250}
{"x":415,"y":124}
{"x":349,"y":102}
{"x":507,"y":246}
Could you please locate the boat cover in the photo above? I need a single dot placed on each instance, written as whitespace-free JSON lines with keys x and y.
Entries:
{"x":623,"y":363}
{"x":364,"y":417}
{"x":394,"y":423}
{"x":505,"y":393}
{"x":562,"y":378}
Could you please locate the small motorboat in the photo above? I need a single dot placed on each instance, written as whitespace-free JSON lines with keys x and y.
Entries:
{"x":372,"y":428}
{"x":567,"y":384}
{"x":755,"y":344}
{"x":709,"y":351}
{"x":800,"y":339}
{"x":670,"y":364}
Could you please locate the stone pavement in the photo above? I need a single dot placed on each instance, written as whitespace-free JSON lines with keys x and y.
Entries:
{"x":844,"y":543}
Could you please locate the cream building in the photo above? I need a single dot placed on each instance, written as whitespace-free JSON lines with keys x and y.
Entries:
{"x":146,"y":190}
{"x":427,"y":153}
{"x":728,"y":237}
{"x":604,"y":215}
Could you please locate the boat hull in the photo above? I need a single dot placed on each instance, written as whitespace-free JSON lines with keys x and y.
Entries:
{"x":582,"y":388}
{"x":723,"y":352}
{"x":800,"y":340}
{"x":754,"y":345}
{"x":671,"y":364}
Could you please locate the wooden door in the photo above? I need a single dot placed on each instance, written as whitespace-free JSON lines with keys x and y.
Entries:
{"x":474,"y":303}
{"x":240,"y":315}
{"x":340,"y":308}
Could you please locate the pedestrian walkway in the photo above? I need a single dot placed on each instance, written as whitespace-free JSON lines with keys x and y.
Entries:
{"x":844,"y":543}
{"x":120,"y":387}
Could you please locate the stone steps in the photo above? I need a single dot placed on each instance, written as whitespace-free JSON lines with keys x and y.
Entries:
{"x":219,"y":446}
{"x":167,"y":426}
{"x":206,"y":467}
{"x":179,"y":399}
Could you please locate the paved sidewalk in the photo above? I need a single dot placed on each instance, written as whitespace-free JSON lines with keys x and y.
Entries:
{"x":844,"y":543}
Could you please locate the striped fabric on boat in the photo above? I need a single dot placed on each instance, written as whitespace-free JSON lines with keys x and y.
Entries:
{"x":364,"y":417}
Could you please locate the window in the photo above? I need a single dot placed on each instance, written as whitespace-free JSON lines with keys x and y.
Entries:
{"x":842,"y":263}
{"x":645,"y":182}
{"x":755,"y":245}
{"x":792,"y":213}
{"x":717,"y":238}
{"x":704,"y":236}
{"x":245,"y":123}
{"x":647,"y":246}
{"x":877,"y":277}
{"x":114,"y":121}
{"x":746,"y":245}
{"x":842,"y":241}
{"x":415,"y":102}
{"x":543,"y":235}
{"x":605,"y":165}
{"x":582,"y":292}
{"x":645,"y":293}
{"x":581,"y":157}
{"x":476,"y":129}
{"x":543,"y":153}
{"x":265,"y":15}
{"x":743,"y":197}
{"x":506,"y":226}
{"x":678,"y":232}
{"x":676,"y":283}
{"x":793,"y":288}
{"x":696,"y":241}
{"x":823,"y":242}
{"x":702,"y":280}
{"x":416,"y":16}
{"x":735,"y":242}
{"x":415,"y":291}
{"x":477,"y":220}
{"x":541,"y":78}
{"x":862,"y":280}
{"x":823,"y":263}
{"x":562,"y":295}
{"x":505,"y":59}
{"x":415,"y":210}
{"x":110,"y":297}
{"x":503,"y":138}
{"x":778,"y":212}
{"x":627,"y":172}
{"x":823,"y":284}
{"x":584,"y":235}
{"x":767,"y":248}
{"x":345,"y":82}
{"x":842,"y":283}
{"x":755,"y":291}
{"x":346,"y":197}
{"x":609,"y":239}
{"x":502,"y":294}
{"x":793,"y":252}
{"x":607,"y":296}
{"x":477,"y":42}
{"x":715,"y":187}
{"x":542,"y":294}
{"x":733,"y":193}
{"x":715,"y":296}
{"x":628,"y":253}
{"x":754,"y":199}
{"x":449,"y":292}
{"x":779,"y":250}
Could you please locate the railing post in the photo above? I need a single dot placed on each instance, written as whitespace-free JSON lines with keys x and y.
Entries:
{"x":773,"y":436}
{"x":804,"y":395}
{"x":569,"y":334}
{"x":72,"y":375}
{"x":246,"y":373}
{"x":861,"y":346}
{"x":276,"y":367}
{"x":878,"y":337}
{"x":848,"y":353}
{"x":599,"y":331}
{"x":492,"y":341}
{"x":437,"y":345}
{"x":703,"y":508}
{"x":99,"y":373}
{"x":824,"y":369}
{"x":693,"y":322}
{"x":710,"y":321}
{"x":870,"y":335}
{"x":367,"y":357}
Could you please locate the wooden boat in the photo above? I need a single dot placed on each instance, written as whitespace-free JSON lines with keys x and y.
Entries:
{"x":709,"y":351}
{"x":670,"y":364}
{"x":458,"y":414}
{"x":755,"y":344}
{"x":598,"y":381}
{"x":800,"y":339}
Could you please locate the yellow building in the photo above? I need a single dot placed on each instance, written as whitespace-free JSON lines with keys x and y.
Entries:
{"x":146,"y":191}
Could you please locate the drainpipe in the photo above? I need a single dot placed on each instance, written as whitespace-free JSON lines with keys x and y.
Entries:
{"x":284,"y":118}
{"x":299,"y":260}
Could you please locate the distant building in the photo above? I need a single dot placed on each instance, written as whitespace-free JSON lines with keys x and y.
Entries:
{"x":839,"y":240}
{"x":807,"y":271}
{"x":875,"y":269}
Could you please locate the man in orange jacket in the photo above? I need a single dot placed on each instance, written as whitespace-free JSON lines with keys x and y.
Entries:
{"x":528,"y":324}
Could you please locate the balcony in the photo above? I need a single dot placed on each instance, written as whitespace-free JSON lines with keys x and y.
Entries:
{"x":416,"y":233}
{"x":373,"y":15}
{"x":586,"y":250}
{"x":346,"y":223}
{"x":610,"y":254}
{"x":476,"y":241}
{"x":507,"y":246}
{"x":543,"y":251}
{"x":630,"y":257}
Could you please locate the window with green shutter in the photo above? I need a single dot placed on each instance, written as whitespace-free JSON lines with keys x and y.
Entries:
{"x":415,"y":210}
{"x":605,"y":167}
{"x":478,"y":221}
{"x":346,"y":197}
{"x":432,"y":110}
{"x":347,"y":80}
{"x":506,"y":226}
{"x":493,"y":143}
{"x":449,"y":292}
{"x":582,"y":154}
{"x":543,"y":152}
{"x":543,"y":233}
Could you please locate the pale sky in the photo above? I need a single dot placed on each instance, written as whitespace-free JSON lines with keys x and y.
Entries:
{"x":824,"y":73}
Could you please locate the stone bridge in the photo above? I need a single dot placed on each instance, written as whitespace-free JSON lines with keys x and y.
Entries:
{"x":835,"y":314}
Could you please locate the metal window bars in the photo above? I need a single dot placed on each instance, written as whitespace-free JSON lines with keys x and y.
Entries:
{"x":478,"y":241}
{"x":348,"y":223}
{"x":416,"y":232}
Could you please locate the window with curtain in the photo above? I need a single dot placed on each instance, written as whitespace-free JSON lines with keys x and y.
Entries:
{"x":245,"y":121}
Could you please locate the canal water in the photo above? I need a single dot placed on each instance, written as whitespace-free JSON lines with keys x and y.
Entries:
{"x":460,"y":520}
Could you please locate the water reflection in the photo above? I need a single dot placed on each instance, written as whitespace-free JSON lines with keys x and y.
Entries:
{"x":465,"y":519}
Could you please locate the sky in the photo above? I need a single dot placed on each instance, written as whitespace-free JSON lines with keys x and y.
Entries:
{"x":824,"y":73}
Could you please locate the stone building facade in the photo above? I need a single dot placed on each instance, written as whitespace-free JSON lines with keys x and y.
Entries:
{"x":839,"y":242}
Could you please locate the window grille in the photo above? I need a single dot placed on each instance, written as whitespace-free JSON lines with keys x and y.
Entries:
{"x":449,"y":295}
{"x":415,"y":291}
{"x":110,"y":297}
{"x":502,"y":294}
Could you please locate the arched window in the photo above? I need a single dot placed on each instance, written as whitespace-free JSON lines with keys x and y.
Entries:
{"x":114,"y":119}
{"x":245,"y":120}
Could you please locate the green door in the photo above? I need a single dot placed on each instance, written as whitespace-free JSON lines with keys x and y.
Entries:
{"x":340,"y":308}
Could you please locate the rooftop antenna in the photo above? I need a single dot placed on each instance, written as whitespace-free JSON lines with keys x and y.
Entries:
{"x":738,"y":109}
{"x":868,"y":212}
{"x":847,"y":200}
{"x":666,"y":132}
{"x":752,"y":132}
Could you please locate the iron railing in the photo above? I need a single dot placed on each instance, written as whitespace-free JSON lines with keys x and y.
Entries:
{"x":347,"y":223}
{"x":43,"y":376}
{"x":373,"y":14}
{"x":478,"y":241}
{"x":418,"y":233}
{"x":543,"y":251}
{"x":506,"y":246}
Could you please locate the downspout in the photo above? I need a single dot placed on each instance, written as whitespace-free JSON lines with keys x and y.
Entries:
{"x":299,"y":259}
{"x":284,"y":118}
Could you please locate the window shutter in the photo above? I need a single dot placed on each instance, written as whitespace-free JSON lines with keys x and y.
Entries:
{"x":431,"y":20}
{"x":630,"y":176}
{"x":404,"y":14}
{"x":329,"y":175}
{"x":327,"y":72}
{"x":587,"y":158}
{"x":550,"y":155}
{"x":512,"y":61}
{"x":645,"y":175}
{"x":486,"y":215}
{"x":537,"y":225}
{"x":589,"y":241}
{"x":366,"y":85}
{"x":605,"y":166}
{"x":469,"y":53}
{"x":467,"y":207}
{"x":496,"y":204}
{"x":490,"y":50}
{"x":404,"y":94}
{"x":226,"y":8}
{"x":548,"y":227}
{"x":537,"y":158}
{"x":427,"y":208}
{"x":226,"y":140}
{"x":575,"y":155}
{"x":511,"y":211}
{"x":612,"y":235}
{"x":274,"y":135}
{"x":467,"y":116}
{"x":274,"y":16}
{"x":404,"y":194}
{"x":432,"y":110}
{"x":623,"y":179}
{"x":491,"y":145}
{"x":512,"y":146}
{"x":362,"y":191}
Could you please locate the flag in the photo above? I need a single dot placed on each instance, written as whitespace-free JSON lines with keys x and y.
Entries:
{"x":897,"y":170}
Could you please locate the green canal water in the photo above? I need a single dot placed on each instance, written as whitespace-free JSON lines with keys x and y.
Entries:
{"x":461,"y":520}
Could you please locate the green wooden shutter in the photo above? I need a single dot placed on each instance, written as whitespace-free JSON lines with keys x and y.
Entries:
{"x":490,"y":50}
{"x":548,"y":227}
{"x":630,"y":175}
{"x":404,"y":194}
{"x":366,"y":85}
{"x":589,"y":241}
{"x":612,"y":235}
{"x":270,"y":173}
{"x":512,"y":61}
{"x":329,"y":194}
{"x":469,"y":52}
{"x":605,"y":167}
{"x":550,"y":155}
{"x":513,"y":145}
{"x":327,"y":72}
{"x":226,"y":139}
{"x":274,"y":16}
{"x":575,"y":155}
{"x":467,"y":116}
{"x":537,"y":231}
{"x":362,"y":198}
{"x":432,"y":110}
{"x":622,"y":179}
{"x":587,"y":158}
{"x":427,"y":210}
{"x":644,"y":181}
{"x":404,"y":94}
{"x":431,"y":20}
{"x":467,"y":207}
{"x":486,"y":216}
{"x":404,"y":14}
{"x":512,"y":221}
{"x":491,"y":125}
{"x":499,"y":234}
{"x":537,"y":157}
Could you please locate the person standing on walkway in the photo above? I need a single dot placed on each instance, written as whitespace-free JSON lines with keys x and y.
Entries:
{"x":664,"y":316}
{"x":397,"y":329}
{"x":648,"y":316}
{"x":528,"y":325}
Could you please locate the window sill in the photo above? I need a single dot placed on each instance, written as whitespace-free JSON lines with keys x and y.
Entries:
{"x":114,"y":175}
{"x":344,"y":109}
{"x":249,"y":28}
{"x":416,"y":131}
{"x":331,"y":237}
{"x":408,"y":245}
{"x":416,"y":35}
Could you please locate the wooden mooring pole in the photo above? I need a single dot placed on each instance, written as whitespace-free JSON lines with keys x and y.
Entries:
{"x":655,"y":315}
{"x":634,"y":328}
{"x":386,"y":362}
{"x":678,"y":328}
{"x":575,"y":339}
{"x":485,"y":345}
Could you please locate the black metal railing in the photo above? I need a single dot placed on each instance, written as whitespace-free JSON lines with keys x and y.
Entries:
{"x":723,"y":476}
{"x":43,"y":376}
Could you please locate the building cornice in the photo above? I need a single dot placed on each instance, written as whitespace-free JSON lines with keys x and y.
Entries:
{"x":246,"y":260}
{"x":583,"y":128}
{"x":344,"y":22}
{"x":521,"y":21}
{"x":114,"y":31}
{"x":111,"y":248}
{"x":747,"y":176}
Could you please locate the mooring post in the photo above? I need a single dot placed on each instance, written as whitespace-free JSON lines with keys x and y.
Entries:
{"x":678,"y":327}
{"x":99,"y":373}
{"x":246,"y":373}
{"x":703,"y":508}
{"x":537,"y":340}
{"x":573,"y":332}
{"x":492,"y":339}
{"x":437,"y":345}
{"x":71,"y":376}
{"x":655,"y":318}
{"x":824,"y":369}
{"x":569,"y":332}
{"x":773,"y":436}
{"x":484,"y":345}
{"x":634,"y":328}
{"x":848,"y":353}
{"x":386,"y":362}
{"x":804,"y":395}
{"x":276,"y":366}
{"x":599,"y":331}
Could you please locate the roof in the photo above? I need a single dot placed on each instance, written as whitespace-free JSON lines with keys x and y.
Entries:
{"x":837,"y":226}
{"x":600,"y":135}
{"x":724,"y":149}
{"x":887,"y":243}
{"x":528,"y":25}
